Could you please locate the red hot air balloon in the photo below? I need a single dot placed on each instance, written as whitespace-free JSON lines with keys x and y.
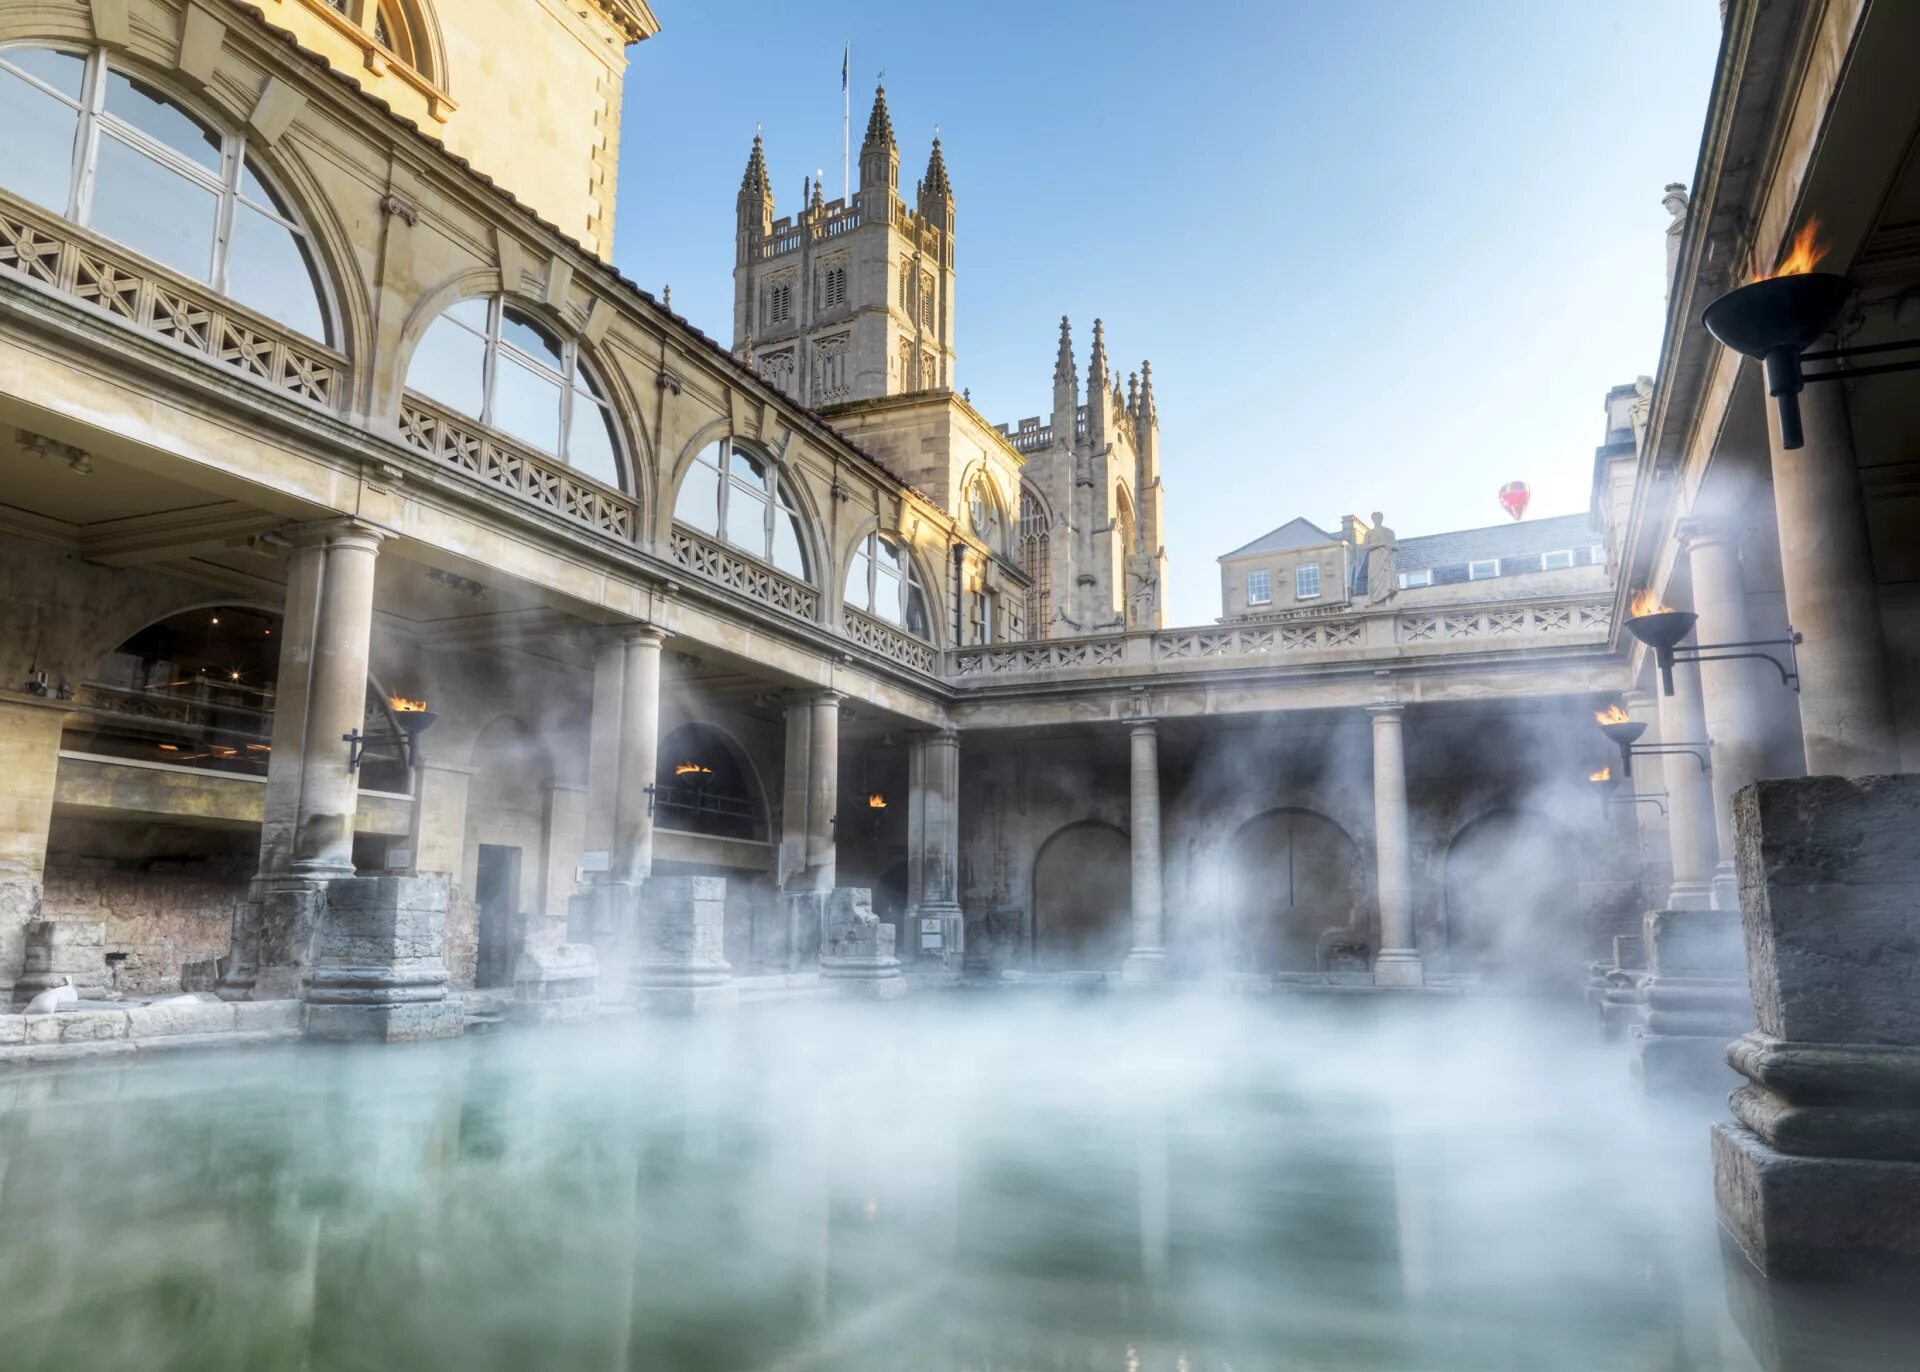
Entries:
{"x":1514,"y":497}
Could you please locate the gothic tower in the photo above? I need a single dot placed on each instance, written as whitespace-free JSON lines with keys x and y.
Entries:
{"x":842,"y":301}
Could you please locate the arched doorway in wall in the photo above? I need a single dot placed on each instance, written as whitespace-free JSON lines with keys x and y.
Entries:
{"x":1083,"y":899}
{"x":704,"y":785}
{"x":508,"y":800}
{"x":1513,"y":899}
{"x":1293,"y":879}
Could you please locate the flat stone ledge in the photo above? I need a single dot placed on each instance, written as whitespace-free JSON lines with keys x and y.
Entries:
{"x":1802,"y":1217}
{"x":60,"y":1054}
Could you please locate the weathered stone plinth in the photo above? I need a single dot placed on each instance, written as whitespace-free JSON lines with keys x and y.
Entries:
{"x":856,"y":948}
{"x":1398,"y":967}
{"x":607,"y":916}
{"x":680,"y":967}
{"x":1821,"y":1174}
{"x":59,"y":949}
{"x":273,"y":936}
{"x":380,"y":967}
{"x":555,"y":983}
{"x":1696,"y":999}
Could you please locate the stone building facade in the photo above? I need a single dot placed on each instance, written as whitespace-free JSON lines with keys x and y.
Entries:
{"x":403,"y":437}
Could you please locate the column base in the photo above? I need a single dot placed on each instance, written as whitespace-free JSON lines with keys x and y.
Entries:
{"x":680,"y":969}
{"x":1812,"y":1217}
{"x":1144,"y":966}
{"x":1398,"y":967}
{"x":944,"y":940}
{"x":380,"y":971}
{"x":407,"y":1023}
{"x":1690,"y":895}
{"x":1726,"y":887}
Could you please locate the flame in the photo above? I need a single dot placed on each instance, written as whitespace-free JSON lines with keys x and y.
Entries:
{"x":1804,"y":256}
{"x":1604,"y":774}
{"x":400,"y":705}
{"x":692,"y":769}
{"x":1648,"y":602}
{"x":876,"y":801}
{"x":1613,"y":714}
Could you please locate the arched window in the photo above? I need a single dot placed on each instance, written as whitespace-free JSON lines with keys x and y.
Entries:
{"x":1036,"y":560}
{"x":392,"y":27}
{"x":89,"y":141}
{"x":701,"y":786}
{"x":499,"y":365}
{"x":738,"y":496}
{"x":983,"y":514}
{"x":833,"y":287}
{"x":882,"y":581}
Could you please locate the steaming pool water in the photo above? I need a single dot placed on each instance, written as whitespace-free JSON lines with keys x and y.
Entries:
{"x":992,"y":1184}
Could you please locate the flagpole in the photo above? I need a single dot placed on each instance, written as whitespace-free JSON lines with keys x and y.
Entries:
{"x":846,"y":123}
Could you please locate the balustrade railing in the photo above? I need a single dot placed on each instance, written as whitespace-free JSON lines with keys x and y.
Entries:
{"x":499,"y":462}
{"x":62,"y":256}
{"x":878,"y":636}
{"x":736,"y":571}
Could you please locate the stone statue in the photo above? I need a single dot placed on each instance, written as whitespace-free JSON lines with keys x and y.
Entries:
{"x":1381,"y":544}
{"x":1674,"y":201}
{"x":1638,"y":411}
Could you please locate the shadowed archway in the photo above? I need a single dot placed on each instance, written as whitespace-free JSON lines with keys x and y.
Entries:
{"x":1293,"y":877}
{"x":1083,"y":899}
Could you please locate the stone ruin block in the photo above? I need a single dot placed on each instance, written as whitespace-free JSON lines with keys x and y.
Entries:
{"x":1820,"y":1175}
{"x":380,"y":967}
{"x":555,"y":982}
{"x":57,"y":949}
{"x":679,"y":966}
{"x":856,"y":948}
{"x":1695,"y":994}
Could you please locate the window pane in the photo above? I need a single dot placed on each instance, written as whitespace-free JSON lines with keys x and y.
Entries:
{"x":153,"y":209}
{"x":155,"y":115}
{"x":267,"y":269}
{"x":747,"y":468}
{"x":787,"y":547}
{"x":698,"y":504}
{"x":891,"y":556}
{"x":856,"y":592}
{"x":917,"y":613}
{"x":590,"y":446}
{"x":530,"y":338}
{"x":64,"y":71}
{"x":888,"y":588}
{"x":449,"y":365}
{"x":39,"y":159}
{"x":526,"y":404}
{"x":471,"y":312}
{"x":747,"y":519}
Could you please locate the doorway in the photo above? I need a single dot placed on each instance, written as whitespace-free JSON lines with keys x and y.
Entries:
{"x":496,"y":893}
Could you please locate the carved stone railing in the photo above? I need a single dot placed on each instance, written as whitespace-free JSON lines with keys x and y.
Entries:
{"x":1185,"y":645}
{"x":878,"y":636}
{"x":1050,"y":655}
{"x":64,"y":257}
{"x":499,"y":462}
{"x":1477,"y":623}
{"x":733,"y":569}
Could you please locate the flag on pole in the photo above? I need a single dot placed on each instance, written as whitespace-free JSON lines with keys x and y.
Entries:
{"x":846,"y":56}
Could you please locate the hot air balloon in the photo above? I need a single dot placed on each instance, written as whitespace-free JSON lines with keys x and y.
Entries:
{"x":1514,"y":497}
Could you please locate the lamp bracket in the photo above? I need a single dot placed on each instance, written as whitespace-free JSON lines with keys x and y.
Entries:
{"x":1653,"y":798}
{"x":1865,"y":349}
{"x":1696,"y":751}
{"x":1716,"y":652}
{"x":651,"y":790}
{"x":356,"y":744}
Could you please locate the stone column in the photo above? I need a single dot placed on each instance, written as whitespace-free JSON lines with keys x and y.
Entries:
{"x":933,"y":839}
{"x":796,"y":765}
{"x":1398,"y":961}
{"x":603,"y":738}
{"x":1826,"y":562}
{"x":29,"y":761}
{"x":823,"y":790}
{"x":638,"y":746}
{"x":1820,"y":1177}
{"x":336,"y":703}
{"x":1730,"y":691}
{"x":1690,"y":827}
{"x":1148,"y":959}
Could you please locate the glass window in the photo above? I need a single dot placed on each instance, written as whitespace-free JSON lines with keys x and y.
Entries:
{"x":1560,"y":558}
{"x":1306,"y":581}
{"x":1482,"y":569}
{"x":1423,"y":577}
{"x":1259,"y":588}
{"x":503,"y":367}
{"x":751,"y":508}
{"x":87,"y":140}
{"x":882,"y":581}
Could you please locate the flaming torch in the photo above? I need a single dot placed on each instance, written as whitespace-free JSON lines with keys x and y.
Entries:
{"x":414,"y":719}
{"x":1661,"y":627}
{"x":1775,"y":317}
{"x":1624,"y":730}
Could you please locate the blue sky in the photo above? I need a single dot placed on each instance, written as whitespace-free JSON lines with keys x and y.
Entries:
{"x":1382,"y":255}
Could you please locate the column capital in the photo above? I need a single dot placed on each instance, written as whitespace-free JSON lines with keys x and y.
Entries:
{"x":1707,"y":530}
{"x":1147,"y":724}
{"x":339,"y":530}
{"x":945,"y":736}
{"x":812,"y":695}
{"x":1387,"y":709}
{"x":643,"y":632}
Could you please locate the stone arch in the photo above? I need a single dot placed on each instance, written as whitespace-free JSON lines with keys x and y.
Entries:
{"x":1512,"y":899}
{"x":728,"y":800}
{"x":937,"y":597}
{"x":1082,"y":911}
{"x":808,"y":527}
{"x":1296,"y":892}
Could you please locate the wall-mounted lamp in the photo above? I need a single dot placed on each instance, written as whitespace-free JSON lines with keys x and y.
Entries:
{"x":1661,"y":628}
{"x":413,"y":718}
{"x":1625,"y":732}
{"x":1606,"y":787}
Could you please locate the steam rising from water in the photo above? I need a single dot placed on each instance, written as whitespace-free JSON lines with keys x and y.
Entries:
{"x":954,"y":1183}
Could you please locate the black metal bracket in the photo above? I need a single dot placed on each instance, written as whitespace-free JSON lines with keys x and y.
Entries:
{"x":1714,"y":652}
{"x":356,"y":745}
{"x":1696,"y":751}
{"x":1653,"y":798}
{"x":1865,"y":349}
{"x":650,"y":790}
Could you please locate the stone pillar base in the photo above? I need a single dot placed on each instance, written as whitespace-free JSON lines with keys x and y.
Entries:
{"x":856,"y":949}
{"x":679,"y":968}
{"x":1696,"y":1001}
{"x":935,"y":934}
{"x":606,"y":916}
{"x":1144,"y":966}
{"x":1802,"y":1217}
{"x":273,"y":939}
{"x":1679,"y":1064}
{"x":379,"y":968}
{"x":59,"y":950}
{"x":555,"y":983}
{"x":1398,"y":967}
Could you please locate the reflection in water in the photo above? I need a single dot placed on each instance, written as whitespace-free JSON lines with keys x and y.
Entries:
{"x":953,"y":1185}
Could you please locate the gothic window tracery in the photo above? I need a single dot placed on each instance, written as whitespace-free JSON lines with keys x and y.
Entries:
{"x":739,"y":497}
{"x":88,"y":140}
{"x":779,"y":302}
{"x":496,"y":363}
{"x":831,"y":378}
{"x":833,"y":287}
{"x":1036,"y":560}
{"x":882,"y":581}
